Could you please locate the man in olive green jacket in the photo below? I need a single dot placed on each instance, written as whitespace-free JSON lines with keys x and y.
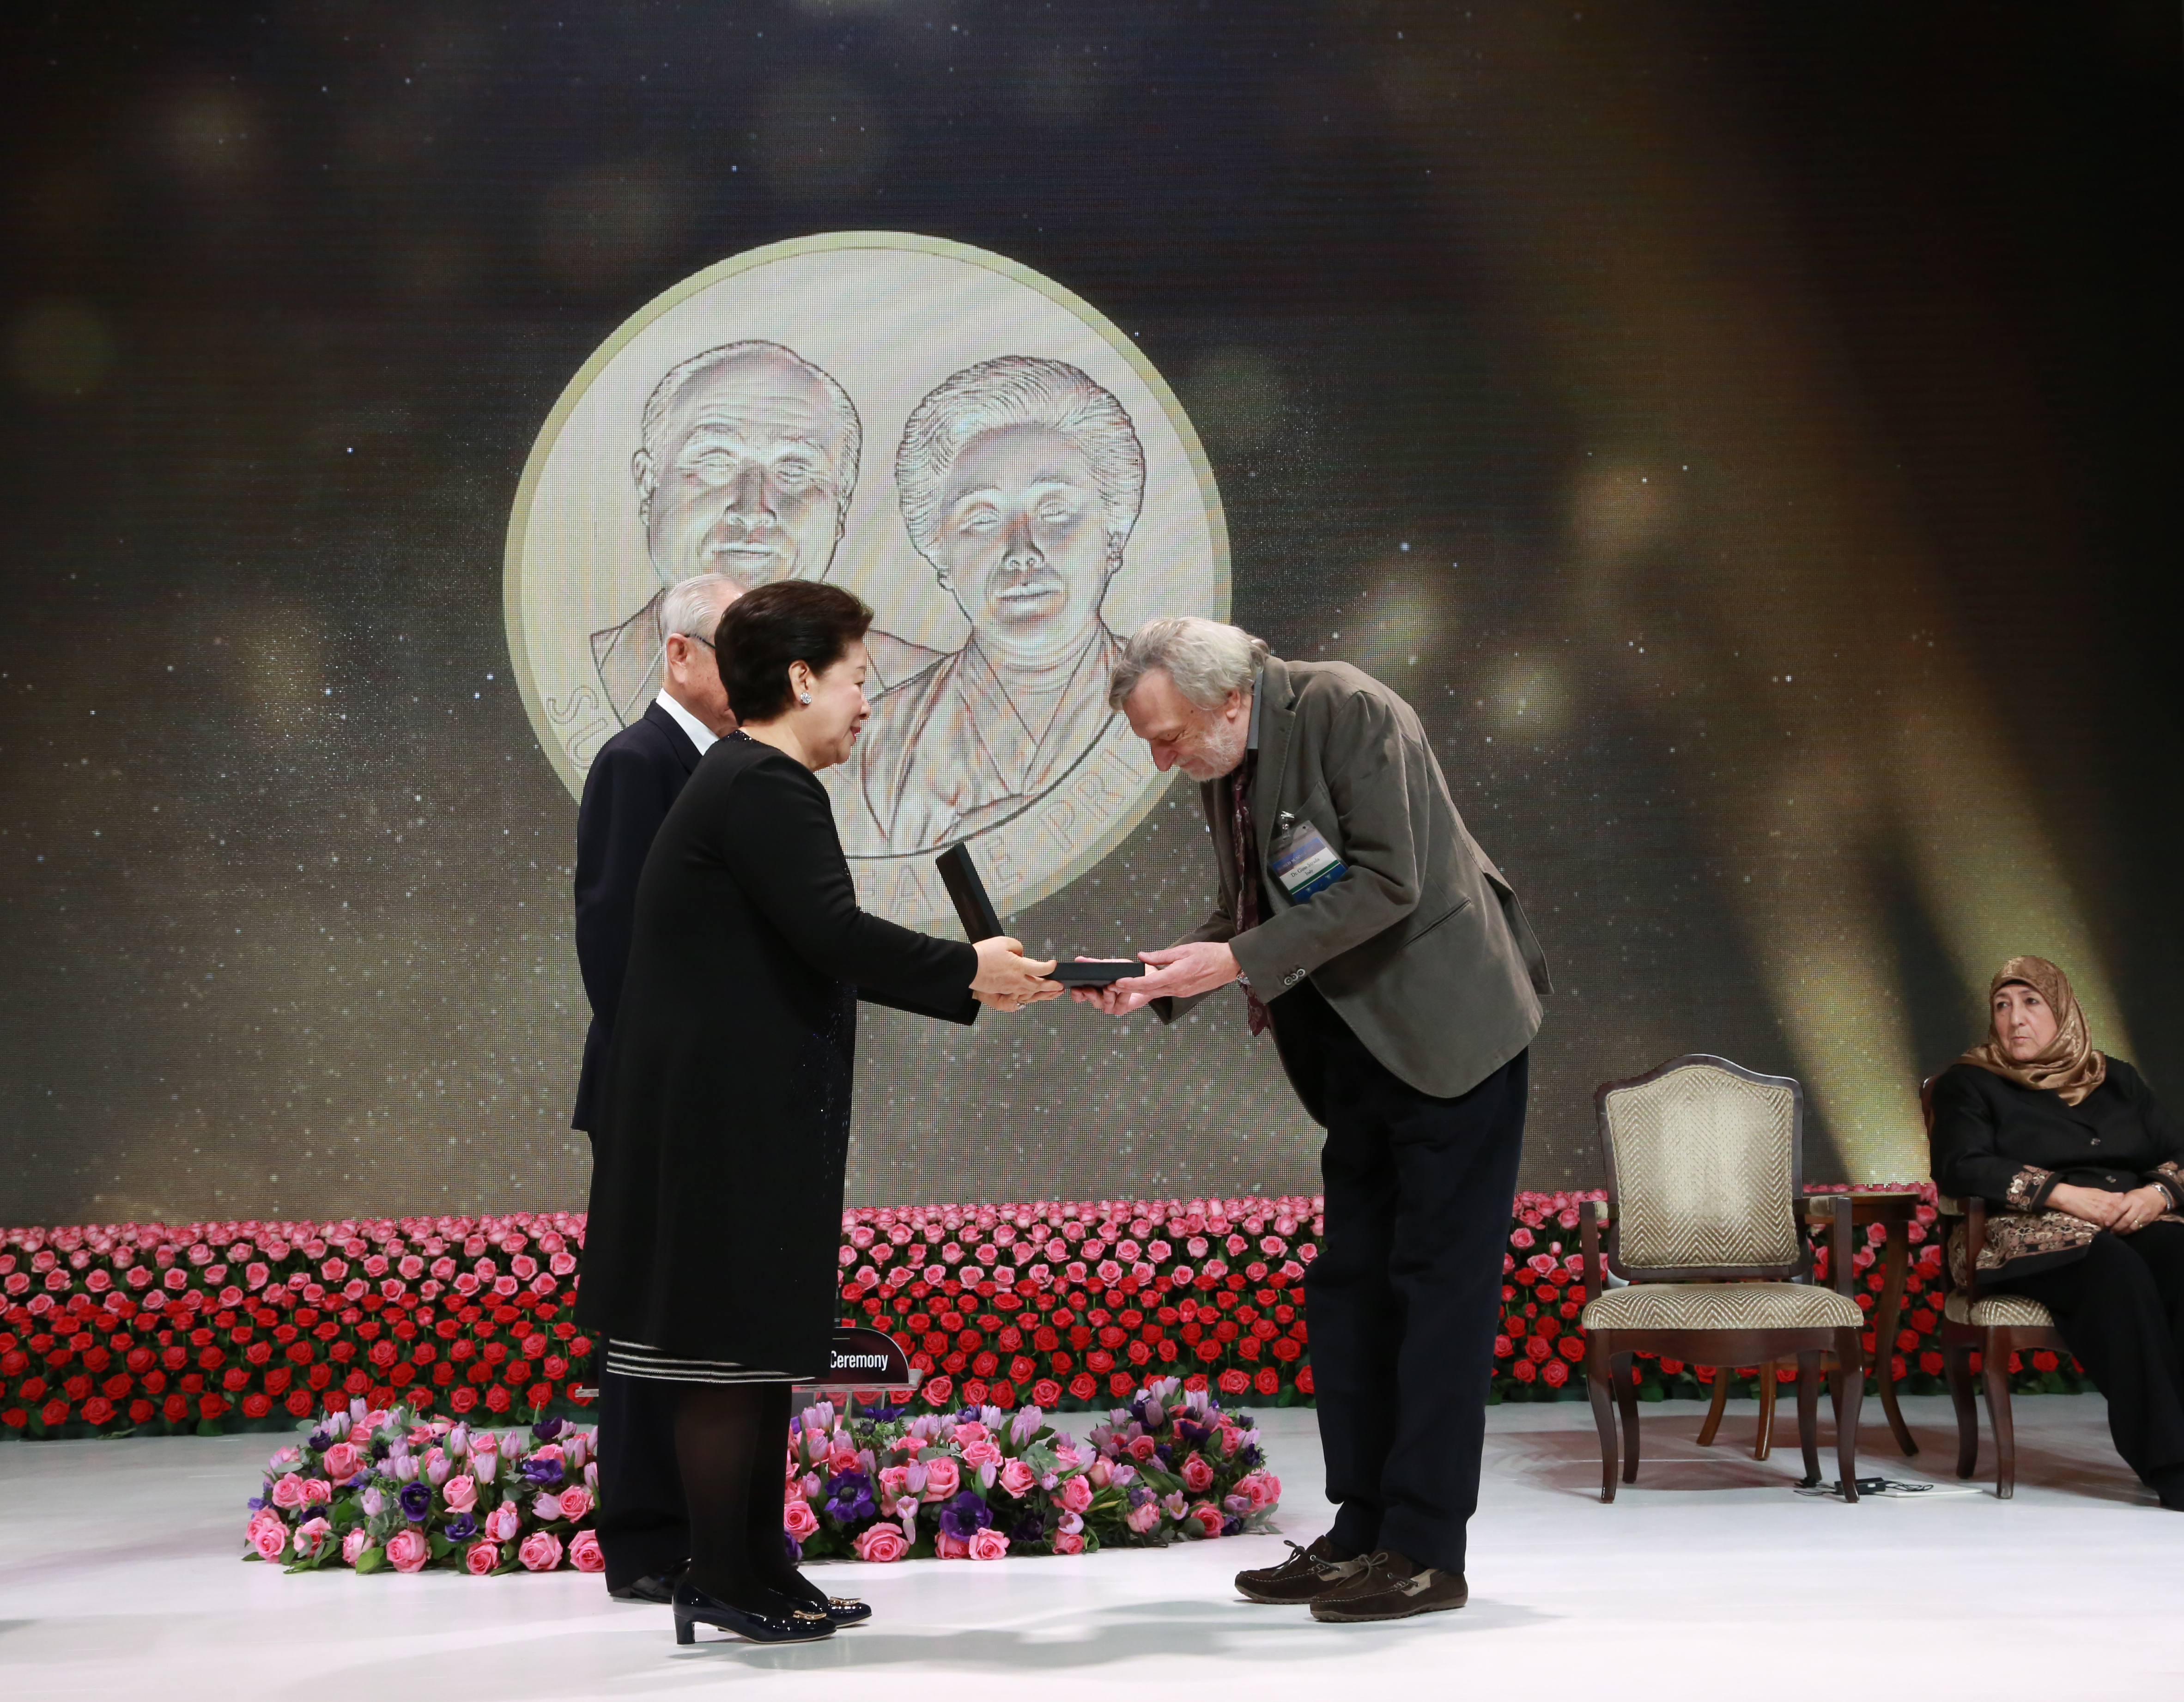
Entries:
{"x":1402,"y":982}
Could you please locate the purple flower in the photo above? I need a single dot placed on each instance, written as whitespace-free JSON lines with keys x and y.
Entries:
{"x":542,"y":1472}
{"x":461,"y":1527}
{"x":416,"y":1499}
{"x":547,"y":1429}
{"x":849,"y":1498}
{"x":1232,"y":1528}
{"x":965,"y":1513}
{"x":1031,"y":1528}
{"x":255,"y":1502}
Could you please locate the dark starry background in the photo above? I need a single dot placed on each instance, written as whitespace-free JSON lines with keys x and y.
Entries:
{"x":287,"y":291}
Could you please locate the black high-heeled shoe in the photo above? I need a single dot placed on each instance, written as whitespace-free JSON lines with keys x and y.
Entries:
{"x":780,"y":1622}
{"x":841,"y":1610}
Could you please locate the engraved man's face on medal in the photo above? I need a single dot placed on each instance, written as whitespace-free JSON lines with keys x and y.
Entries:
{"x":745,"y":476}
{"x":980,"y":456}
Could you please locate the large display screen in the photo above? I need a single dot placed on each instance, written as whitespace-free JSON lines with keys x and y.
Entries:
{"x":1744,"y":439}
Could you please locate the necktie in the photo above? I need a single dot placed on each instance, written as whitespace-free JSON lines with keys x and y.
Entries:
{"x":1247,"y":880}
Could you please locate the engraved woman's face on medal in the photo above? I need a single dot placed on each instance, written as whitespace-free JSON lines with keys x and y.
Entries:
{"x":1021,"y":544}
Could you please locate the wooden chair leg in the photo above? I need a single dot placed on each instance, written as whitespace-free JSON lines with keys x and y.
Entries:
{"x":1713,"y":1420}
{"x":1849,"y":1391}
{"x":1762,"y":1435}
{"x":1994,"y":1369}
{"x":1808,"y":1412}
{"x":1596,"y":1374}
{"x":1626,"y":1400}
{"x":1956,"y":1365}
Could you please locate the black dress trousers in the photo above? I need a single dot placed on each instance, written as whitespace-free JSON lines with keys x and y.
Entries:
{"x":1405,"y":1294}
{"x":2121,"y":1309}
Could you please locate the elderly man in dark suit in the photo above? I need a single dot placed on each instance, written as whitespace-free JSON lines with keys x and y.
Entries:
{"x":1402,"y":983}
{"x":636,"y":776}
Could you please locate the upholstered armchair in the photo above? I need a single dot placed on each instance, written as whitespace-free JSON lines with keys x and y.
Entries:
{"x":1993,"y":1326}
{"x":1705,"y":1168}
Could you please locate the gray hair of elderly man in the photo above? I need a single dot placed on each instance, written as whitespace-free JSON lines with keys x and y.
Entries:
{"x":693,"y":606}
{"x":1206,"y":659}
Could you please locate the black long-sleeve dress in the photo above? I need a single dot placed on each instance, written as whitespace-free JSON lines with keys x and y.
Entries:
{"x":716,"y":1183}
{"x":2011,"y":1145}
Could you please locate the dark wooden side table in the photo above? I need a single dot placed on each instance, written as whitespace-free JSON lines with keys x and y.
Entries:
{"x":1894,"y":1211}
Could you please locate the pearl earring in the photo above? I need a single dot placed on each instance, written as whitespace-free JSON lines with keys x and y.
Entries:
{"x":804,"y":699}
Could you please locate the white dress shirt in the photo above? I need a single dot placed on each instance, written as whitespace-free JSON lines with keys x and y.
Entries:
{"x":701,"y":735}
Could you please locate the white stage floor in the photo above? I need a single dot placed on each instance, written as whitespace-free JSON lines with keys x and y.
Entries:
{"x":119,"y":1577}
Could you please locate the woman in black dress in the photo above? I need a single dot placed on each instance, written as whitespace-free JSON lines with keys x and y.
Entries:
{"x":716,"y":1191}
{"x":2085,"y":1172}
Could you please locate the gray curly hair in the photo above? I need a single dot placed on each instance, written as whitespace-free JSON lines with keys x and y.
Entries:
{"x":653,"y":422}
{"x":1206,"y":660}
{"x":1019,"y":390}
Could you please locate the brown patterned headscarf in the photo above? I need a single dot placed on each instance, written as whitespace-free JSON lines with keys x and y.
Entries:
{"x":2069,"y":1065}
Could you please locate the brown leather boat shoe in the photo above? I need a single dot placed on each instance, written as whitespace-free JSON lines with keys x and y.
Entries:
{"x":1391,"y":1587}
{"x":1306,"y":1574}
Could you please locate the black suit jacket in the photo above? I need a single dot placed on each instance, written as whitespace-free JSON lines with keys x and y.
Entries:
{"x":634,"y":781}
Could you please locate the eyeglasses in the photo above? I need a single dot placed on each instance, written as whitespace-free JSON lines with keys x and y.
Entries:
{"x":695,"y":639}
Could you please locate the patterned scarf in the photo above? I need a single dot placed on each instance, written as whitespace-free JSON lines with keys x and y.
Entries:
{"x":2067,"y":1066}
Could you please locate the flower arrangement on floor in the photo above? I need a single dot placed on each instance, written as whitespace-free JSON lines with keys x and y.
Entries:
{"x":396,"y":1490}
{"x":157,"y":1329}
{"x":979,"y":1483}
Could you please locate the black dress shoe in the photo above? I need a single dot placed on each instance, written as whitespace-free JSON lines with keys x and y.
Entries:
{"x":841,"y":1610}
{"x":1307,"y":1572}
{"x":779,"y":1621}
{"x":656,"y":1588}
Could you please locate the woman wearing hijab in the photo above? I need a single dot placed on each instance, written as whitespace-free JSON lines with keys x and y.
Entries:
{"x":717,"y":1188}
{"x":2085,"y":1172}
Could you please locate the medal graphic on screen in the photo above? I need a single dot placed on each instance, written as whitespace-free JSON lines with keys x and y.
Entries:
{"x":973,"y":450}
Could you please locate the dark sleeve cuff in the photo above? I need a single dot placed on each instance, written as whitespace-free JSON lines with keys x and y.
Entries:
{"x":2170,"y":1181}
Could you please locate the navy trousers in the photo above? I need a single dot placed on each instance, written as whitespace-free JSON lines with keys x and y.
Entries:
{"x":1404,"y":1295}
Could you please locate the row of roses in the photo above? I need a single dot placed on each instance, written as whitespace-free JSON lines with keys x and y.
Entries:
{"x":157,"y":1328}
{"x":1060,"y":1305}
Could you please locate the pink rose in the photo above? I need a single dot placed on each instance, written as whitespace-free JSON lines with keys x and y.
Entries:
{"x":317,"y":1492}
{"x":460,"y":1493}
{"x":502,"y":1524}
{"x":310,"y":1536}
{"x":1076,"y":1494}
{"x":480,"y":1558}
{"x":966,"y":1434}
{"x":943,"y":1478}
{"x":842,"y":1457}
{"x":576,"y":1501}
{"x":982,"y":1453}
{"x":541,"y":1552}
{"x":1206,"y":1516}
{"x":1069,"y":1542}
{"x":891,"y":1483}
{"x":798,"y":1519}
{"x":1144,"y":1518}
{"x":1197,"y":1474}
{"x":881,"y":1544}
{"x":352,"y":1545}
{"x":949,"y":1548}
{"x":1017,"y":1478}
{"x":268,"y":1536}
{"x":584,"y":1552}
{"x":288,"y":1492}
{"x":989,"y":1544}
{"x":342,"y":1459}
{"x":1142,"y":1446}
{"x":407,"y":1550}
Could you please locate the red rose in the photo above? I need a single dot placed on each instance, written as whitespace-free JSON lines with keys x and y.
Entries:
{"x":97,"y":1409}
{"x":1555,"y":1372}
{"x":2041,"y":1361}
{"x":298,"y":1403}
{"x":1524,"y":1370}
{"x":1234,"y":1382}
{"x":1268,"y":1382}
{"x":1304,"y":1380}
{"x":1045,"y":1392}
{"x":15,"y":1418}
{"x":1572,"y":1348}
{"x":937,"y":1390}
{"x":1082,"y":1387}
{"x":497,"y":1399}
{"x":173,"y":1408}
{"x":463,"y":1399}
{"x":1121,"y":1384}
{"x":55,"y":1413}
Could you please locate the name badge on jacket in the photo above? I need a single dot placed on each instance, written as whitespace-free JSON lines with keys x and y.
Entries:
{"x":1302,"y":861}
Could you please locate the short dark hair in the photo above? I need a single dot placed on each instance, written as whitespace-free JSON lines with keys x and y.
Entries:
{"x":764,"y":631}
